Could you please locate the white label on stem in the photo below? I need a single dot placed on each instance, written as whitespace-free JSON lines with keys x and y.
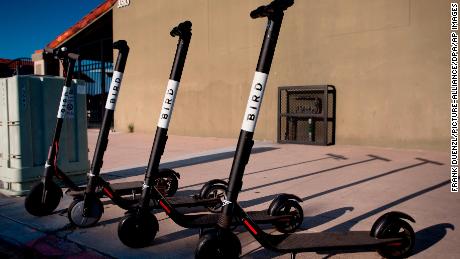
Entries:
{"x":63,"y":103}
{"x":70,"y":104}
{"x":254,"y":101}
{"x":114,"y":90}
{"x":168,"y":104}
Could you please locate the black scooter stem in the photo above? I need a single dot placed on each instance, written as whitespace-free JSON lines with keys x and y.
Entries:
{"x":102,"y":140}
{"x":51,"y":161}
{"x":62,"y":109}
{"x":269,"y":44}
{"x":245,"y":140}
{"x":183,"y":30}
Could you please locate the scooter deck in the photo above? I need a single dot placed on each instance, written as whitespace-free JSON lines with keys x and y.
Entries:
{"x":127,"y":188}
{"x":262,"y":217}
{"x":210,"y":220}
{"x":191,"y":201}
{"x":124,"y":188}
{"x":328,"y":241}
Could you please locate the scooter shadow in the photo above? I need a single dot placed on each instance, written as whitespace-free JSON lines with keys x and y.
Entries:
{"x":200,"y":159}
{"x":425,"y":238}
{"x":428,"y":237}
{"x":309,"y":222}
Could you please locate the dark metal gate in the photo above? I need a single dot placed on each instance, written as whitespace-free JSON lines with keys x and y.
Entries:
{"x":97,"y":75}
{"x":306,"y":114}
{"x":19,"y":66}
{"x":95,"y":67}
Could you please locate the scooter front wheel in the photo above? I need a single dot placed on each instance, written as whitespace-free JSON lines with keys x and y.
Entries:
{"x":396,"y":228}
{"x":38,"y":205}
{"x":76,"y":216}
{"x":138,"y":230}
{"x":293,"y":209}
{"x":218,"y":244}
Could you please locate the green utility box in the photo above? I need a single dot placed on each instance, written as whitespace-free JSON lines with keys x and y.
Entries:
{"x":28,"y":109}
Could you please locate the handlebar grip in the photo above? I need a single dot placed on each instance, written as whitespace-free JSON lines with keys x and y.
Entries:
{"x":258,"y":13}
{"x":60,"y":53}
{"x":121,"y":45}
{"x":181,"y":30}
{"x":273,"y":7}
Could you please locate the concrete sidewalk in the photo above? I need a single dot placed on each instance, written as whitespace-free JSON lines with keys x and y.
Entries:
{"x":338,"y":194}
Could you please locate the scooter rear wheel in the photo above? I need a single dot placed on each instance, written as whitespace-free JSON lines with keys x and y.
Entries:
{"x":209,"y":184}
{"x":138,"y":230}
{"x":34,"y":203}
{"x":75,"y":212}
{"x":222,"y":244}
{"x":167,"y":182}
{"x":292,"y":208}
{"x":397,"y":228}
{"x":215,"y":191}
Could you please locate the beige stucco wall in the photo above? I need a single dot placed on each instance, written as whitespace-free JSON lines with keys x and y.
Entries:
{"x":389,"y":60}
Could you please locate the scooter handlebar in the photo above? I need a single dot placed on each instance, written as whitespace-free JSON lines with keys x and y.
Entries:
{"x":183,"y":29}
{"x":60,"y":53}
{"x":273,"y":7}
{"x":121,"y":45}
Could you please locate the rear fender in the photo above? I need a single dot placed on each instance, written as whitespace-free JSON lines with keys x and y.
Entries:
{"x":210,"y":183}
{"x":386,"y":219}
{"x":280,"y":199}
{"x":167,"y":171}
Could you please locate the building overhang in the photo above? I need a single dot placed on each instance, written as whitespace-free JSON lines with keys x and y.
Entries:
{"x":91,"y":37}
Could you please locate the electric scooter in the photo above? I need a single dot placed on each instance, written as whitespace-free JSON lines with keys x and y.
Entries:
{"x":45,"y":196}
{"x":391,"y":235}
{"x":87,"y":209}
{"x":97,"y":187}
{"x":139,"y":226}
